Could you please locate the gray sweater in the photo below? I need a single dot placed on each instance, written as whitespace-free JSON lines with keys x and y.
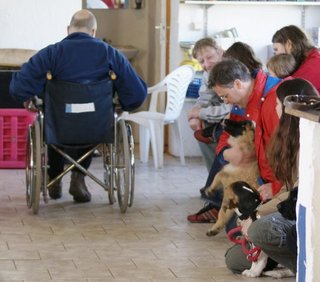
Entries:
{"x":212,"y":108}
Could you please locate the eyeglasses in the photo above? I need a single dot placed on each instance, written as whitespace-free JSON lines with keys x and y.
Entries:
{"x":224,"y":97}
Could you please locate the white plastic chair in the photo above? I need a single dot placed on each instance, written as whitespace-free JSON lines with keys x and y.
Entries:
{"x":152,"y":121}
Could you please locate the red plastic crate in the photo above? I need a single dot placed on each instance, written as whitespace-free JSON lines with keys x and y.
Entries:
{"x":13,"y":137}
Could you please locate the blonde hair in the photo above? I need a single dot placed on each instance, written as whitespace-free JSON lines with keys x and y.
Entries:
{"x":202,"y":43}
{"x":282,"y":65}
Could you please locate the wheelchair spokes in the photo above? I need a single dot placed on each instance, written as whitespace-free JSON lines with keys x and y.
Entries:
{"x":123,"y":170}
{"x":108,"y":157}
{"x":29,"y":167}
{"x":118,"y":164}
{"x":132,"y":164}
{"x":33,"y":168}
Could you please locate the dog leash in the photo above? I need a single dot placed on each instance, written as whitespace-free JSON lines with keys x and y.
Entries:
{"x":252,"y":253}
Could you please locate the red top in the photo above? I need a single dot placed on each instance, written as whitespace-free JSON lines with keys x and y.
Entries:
{"x":310,"y":69}
{"x":261,"y":110}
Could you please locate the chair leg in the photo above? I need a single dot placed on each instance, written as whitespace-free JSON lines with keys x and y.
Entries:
{"x":177,"y":131}
{"x":144,"y":136}
{"x":156,"y":132}
{"x":161,"y":144}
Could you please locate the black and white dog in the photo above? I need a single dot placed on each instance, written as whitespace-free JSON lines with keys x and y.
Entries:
{"x":247,"y":204}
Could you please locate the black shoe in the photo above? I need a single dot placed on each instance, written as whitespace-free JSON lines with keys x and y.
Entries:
{"x":78,"y":188}
{"x":203,"y":191}
{"x":55,"y":191}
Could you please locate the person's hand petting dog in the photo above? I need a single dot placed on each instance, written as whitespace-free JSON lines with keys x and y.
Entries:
{"x":265,"y":191}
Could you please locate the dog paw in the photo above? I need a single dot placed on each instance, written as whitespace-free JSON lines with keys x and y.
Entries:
{"x":212,"y":232}
{"x":279,"y":273}
{"x":250,"y":273}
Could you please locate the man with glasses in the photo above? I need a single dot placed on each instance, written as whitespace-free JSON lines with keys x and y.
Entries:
{"x":252,"y":99}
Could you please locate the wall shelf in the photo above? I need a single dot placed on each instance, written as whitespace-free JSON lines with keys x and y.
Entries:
{"x":260,"y":3}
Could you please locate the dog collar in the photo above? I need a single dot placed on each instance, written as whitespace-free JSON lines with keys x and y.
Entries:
{"x":252,"y":253}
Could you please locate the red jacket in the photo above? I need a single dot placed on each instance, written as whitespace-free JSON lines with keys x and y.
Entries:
{"x":260,"y":109}
{"x":310,"y":69}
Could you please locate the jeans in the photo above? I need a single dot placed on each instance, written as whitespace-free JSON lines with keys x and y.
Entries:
{"x":216,"y":198}
{"x":208,"y":153}
{"x":270,"y":234}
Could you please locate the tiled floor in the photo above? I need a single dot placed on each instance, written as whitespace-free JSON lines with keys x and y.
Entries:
{"x":94,"y":242}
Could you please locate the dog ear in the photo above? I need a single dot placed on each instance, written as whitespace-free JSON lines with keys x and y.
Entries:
{"x":230,"y":199}
{"x":236,"y":128}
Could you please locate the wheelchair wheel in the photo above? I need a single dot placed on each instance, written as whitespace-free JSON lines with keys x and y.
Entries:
{"x":123,"y":166}
{"x":132,"y":164}
{"x":33,"y":167}
{"x":109,"y":171}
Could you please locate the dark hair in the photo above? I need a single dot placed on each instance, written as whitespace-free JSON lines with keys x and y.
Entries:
{"x":226,"y":72}
{"x":202,"y":43}
{"x":283,"y":149}
{"x":245,"y":54}
{"x":301,"y":45}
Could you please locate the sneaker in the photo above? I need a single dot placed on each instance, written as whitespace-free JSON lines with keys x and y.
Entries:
{"x":203,"y":191}
{"x":55,"y":190}
{"x":78,"y":188}
{"x":206,"y":215}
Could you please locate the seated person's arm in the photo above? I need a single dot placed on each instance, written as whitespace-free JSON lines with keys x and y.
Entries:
{"x":131,"y":89}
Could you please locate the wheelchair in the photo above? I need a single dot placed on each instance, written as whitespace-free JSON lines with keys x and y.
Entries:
{"x":101,"y":129}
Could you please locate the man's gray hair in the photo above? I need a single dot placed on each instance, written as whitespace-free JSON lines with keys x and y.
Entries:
{"x":83,"y":19}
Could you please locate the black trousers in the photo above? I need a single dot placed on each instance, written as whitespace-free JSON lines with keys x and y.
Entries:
{"x":56,"y":162}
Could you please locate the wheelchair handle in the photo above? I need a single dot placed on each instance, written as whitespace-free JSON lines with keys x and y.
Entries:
{"x":35,"y":104}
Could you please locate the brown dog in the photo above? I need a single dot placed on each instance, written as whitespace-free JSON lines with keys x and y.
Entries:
{"x":242,"y":135}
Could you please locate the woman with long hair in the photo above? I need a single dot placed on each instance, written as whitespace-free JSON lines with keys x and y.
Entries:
{"x":271,"y":232}
{"x":294,"y":41}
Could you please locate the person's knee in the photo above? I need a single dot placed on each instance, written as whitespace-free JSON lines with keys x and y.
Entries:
{"x":235,"y":260}
{"x":230,"y":261}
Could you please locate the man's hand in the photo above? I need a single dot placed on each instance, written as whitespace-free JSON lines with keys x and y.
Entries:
{"x":195,"y":123}
{"x":28,"y":105}
{"x":194,"y":113}
{"x":265,"y":191}
{"x":194,"y":119}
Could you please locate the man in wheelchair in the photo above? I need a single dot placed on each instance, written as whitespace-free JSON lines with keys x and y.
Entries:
{"x":82,"y":59}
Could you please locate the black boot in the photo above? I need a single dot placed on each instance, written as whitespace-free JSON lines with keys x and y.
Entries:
{"x":78,"y":188}
{"x":55,"y":190}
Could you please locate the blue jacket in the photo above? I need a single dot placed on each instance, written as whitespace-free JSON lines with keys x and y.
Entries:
{"x":79,"y":58}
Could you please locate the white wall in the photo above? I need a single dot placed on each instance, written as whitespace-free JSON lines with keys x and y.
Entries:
{"x":255,"y":23}
{"x":33,"y":24}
